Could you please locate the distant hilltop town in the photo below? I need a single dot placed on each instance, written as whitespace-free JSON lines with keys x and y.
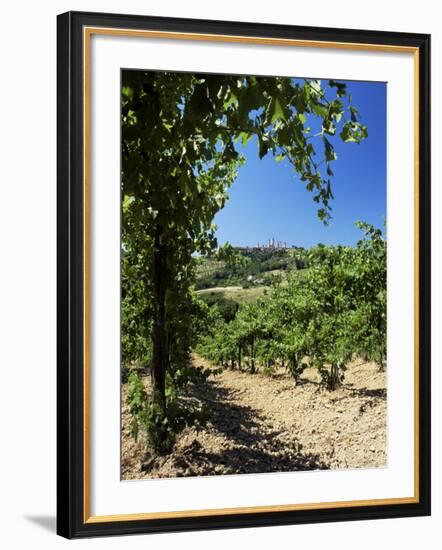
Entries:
{"x":272,"y":244}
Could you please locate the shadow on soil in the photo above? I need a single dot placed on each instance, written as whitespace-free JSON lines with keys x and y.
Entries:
{"x":252,"y":444}
{"x":380,"y":393}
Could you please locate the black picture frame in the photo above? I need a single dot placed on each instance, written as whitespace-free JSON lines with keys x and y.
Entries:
{"x":71,"y":519}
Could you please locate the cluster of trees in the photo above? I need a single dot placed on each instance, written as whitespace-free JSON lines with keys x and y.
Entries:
{"x":328,"y":314}
{"x":225,"y":307}
{"x":181,"y":136}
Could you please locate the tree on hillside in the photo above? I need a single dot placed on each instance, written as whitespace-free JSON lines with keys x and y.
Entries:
{"x":180,"y":153}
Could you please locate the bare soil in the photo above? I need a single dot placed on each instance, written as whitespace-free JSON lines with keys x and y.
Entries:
{"x":260,"y":423}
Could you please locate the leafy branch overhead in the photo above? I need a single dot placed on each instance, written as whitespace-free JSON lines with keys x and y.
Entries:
{"x":181,"y":134}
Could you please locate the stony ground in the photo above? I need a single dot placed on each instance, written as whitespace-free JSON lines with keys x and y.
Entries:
{"x":262,"y":423}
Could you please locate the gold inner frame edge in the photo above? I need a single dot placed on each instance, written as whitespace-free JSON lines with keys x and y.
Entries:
{"x":87,"y":33}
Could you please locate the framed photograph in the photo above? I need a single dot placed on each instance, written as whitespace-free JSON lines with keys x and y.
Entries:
{"x":243,"y":274}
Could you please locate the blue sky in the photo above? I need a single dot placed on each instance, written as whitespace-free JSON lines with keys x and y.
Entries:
{"x":268,"y":199}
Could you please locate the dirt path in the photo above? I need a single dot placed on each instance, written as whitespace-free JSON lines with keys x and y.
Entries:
{"x":220,"y":289}
{"x":264,"y":423}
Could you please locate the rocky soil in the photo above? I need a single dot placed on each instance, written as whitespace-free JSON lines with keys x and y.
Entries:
{"x":260,"y":423}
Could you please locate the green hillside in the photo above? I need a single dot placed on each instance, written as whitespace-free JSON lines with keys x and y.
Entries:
{"x":260,"y":268}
